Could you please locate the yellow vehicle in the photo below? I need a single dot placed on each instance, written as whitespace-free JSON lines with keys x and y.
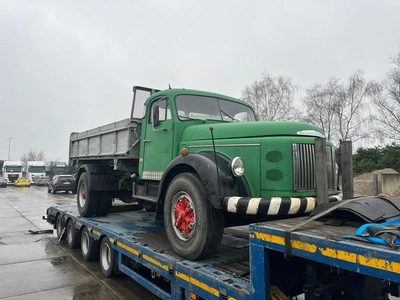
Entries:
{"x":22,"y":181}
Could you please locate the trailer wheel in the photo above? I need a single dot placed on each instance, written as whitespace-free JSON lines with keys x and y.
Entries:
{"x":60,"y":228}
{"x":73,"y":238}
{"x":86,"y":200}
{"x":194,"y":228}
{"x":48,"y":190}
{"x":107,"y":258}
{"x":105,"y":204}
{"x":89,"y":247}
{"x":53,"y":191}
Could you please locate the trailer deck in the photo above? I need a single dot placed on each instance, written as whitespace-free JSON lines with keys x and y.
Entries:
{"x":252,"y":262}
{"x":144,"y":254}
{"x":317,"y":243}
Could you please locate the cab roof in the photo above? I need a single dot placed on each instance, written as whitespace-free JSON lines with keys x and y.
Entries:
{"x":176,"y":92}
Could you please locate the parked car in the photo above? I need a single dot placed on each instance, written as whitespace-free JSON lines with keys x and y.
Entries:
{"x":22,"y":181}
{"x":61,"y":183}
{"x":42,"y":180}
{"x":3,"y":182}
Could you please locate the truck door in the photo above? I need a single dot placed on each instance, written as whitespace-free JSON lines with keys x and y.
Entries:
{"x":158,"y":140}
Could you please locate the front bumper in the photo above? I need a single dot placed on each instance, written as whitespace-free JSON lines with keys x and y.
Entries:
{"x":274,"y":206}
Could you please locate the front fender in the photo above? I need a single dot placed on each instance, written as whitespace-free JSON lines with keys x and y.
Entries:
{"x":203,"y":164}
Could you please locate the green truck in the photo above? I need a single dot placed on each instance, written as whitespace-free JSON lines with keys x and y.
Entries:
{"x":201,"y":161}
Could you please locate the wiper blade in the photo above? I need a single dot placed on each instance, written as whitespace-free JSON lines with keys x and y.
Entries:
{"x":191,"y":118}
{"x":229,"y":116}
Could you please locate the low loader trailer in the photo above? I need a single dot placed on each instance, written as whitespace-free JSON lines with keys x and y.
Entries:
{"x":277,"y":259}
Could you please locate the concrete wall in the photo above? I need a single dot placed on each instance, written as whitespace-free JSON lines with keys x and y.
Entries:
{"x":391,"y":183}
{"x":387,"y":182}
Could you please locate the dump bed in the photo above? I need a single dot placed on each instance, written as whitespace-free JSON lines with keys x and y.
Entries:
{"x":114,"y":140}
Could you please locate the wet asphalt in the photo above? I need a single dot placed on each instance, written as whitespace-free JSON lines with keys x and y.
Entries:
{"x":34,"y":266}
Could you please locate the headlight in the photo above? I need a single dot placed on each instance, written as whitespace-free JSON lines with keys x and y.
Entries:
{"x":237,"y":167}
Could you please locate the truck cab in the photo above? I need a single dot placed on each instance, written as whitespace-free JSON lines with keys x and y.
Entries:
{"x":201,"y":161}
{"x":12,"y":170}
{"x":34,"y":170}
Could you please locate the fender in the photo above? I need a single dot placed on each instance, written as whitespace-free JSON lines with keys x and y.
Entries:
{"x":100,"y":176}
{"x":204,"y":165}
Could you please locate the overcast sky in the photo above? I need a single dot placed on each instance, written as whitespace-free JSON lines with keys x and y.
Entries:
{"x":70,"y":65}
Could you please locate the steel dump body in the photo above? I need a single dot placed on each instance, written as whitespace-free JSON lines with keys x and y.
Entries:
{"x":115,"y":140}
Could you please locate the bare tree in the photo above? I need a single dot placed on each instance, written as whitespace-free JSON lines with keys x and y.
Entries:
{"x":354,"y":121}
{"x":341,"y":110}
{"x":272,"y":98}
{"x":388,"y":103}
{"x":320,"y":102}
{"x":32,"y":155}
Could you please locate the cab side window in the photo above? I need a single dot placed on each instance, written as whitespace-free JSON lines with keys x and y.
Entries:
{"x":164,"y":110}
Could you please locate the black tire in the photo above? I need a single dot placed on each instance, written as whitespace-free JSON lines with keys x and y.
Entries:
{"x":105,"y":204}
{"x":60,"y":228}
{"x":87,"y":201}
{"x":205,"y":235}
{"x":89,"y":247}
{"x":48,"y":190}
{"x":148,"y":206}
{"x":53,"y":190}
{"x":107,"y":258}
{"x":73,"y":238}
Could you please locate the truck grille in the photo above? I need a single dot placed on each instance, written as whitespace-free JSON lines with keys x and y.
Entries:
{"x":304,"y":167}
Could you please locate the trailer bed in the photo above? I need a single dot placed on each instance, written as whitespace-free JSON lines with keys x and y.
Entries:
{"x":138,"y":238}
{"x":319,"y":243}
{"x":252,"y":262}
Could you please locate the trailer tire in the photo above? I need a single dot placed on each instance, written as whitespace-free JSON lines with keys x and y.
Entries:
{"x":73,"y":238}
{"x":105,"y":204}
{"x":187,"y":208}
{"x":60,"y":228}
{"x":87,"y":201}
{"x":53,"y":191}
{"x":48,"y":190}
{"x":89,"y":246}
{"x":107,"y":258}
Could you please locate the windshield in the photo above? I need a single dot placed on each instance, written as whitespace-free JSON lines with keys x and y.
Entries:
{"x":15,"y":169}
{"x":60,"y":169}
{"x":36,"y":169}
{"x":209,"y":108}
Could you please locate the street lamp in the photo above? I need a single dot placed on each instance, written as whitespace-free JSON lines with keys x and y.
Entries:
{"x":9,"y":146}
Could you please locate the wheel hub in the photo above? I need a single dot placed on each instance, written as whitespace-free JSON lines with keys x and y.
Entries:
{"x":184,"y":216}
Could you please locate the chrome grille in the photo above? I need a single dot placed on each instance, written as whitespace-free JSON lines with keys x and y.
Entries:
{"x":304,"y":167}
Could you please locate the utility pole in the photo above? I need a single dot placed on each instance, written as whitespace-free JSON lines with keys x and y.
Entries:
{"x":9,"y":147}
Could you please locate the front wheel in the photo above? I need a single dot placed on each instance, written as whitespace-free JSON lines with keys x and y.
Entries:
{"x":194,"y":227}
{"x":86,"y":200}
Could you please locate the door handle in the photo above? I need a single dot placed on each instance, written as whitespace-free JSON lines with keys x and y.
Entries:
{"x":146,"y":141}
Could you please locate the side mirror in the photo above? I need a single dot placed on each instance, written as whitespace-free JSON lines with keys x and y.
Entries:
{"x":156,"y":115}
